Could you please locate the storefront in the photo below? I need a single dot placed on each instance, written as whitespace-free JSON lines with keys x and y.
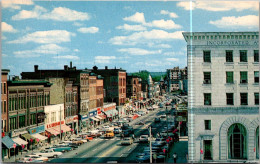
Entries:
{"x":110,"y":111}
{"x":83,"y":122}
{"x":7,"y":145}
{"x":93,"y":120}
{"x":72,"y":122}
{"x":39,"y":134}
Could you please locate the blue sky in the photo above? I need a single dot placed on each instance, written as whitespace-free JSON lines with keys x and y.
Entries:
{"x":133,"y":35}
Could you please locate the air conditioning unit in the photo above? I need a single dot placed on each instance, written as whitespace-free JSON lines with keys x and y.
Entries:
{"x":207,"y":81}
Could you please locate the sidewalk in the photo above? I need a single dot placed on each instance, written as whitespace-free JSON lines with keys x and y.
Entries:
{"x":180,"y":148}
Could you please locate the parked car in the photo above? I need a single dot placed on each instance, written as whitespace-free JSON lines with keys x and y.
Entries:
{"x":144,"y":138}
{"x":35,"y":157}
{"x":117,"y":130}
{"x":143,"y":159}
{"x":163,"y":116}
{"x":48,"y":153}
{"x":159,"y":142}
{"x":109,"y":134}
{"x":140,"y":123}
{"x":127,"y":141}
{"x":77,"y":140}
{"x":86,"y":137}
{"x":71,"y":144}
{"x":157,"y":119}
{"x":60,"y":148}
{"x":63,"y":144}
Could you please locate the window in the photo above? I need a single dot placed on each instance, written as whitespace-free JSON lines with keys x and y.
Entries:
{"x":21,"y":121}
{"x":12,"y":123}
{"x":33,"y":119}
{"x":207,"y":78}
{"x":243,"y":98}
{"x":256,"y":56}
{"x":4,"y":106}
{"x":207,"y":124}
{"x":230,"y":99}
{"x":229,"y":56}
{"x":256,"y":75}
{"x":243,"y":77}
{"x":53,"y":116}
{"x":243,"y":56}
{"x":256,"y":98}
{"x":206,"y":56}
{"x":207,"y":98}
{"x":229,"y":77}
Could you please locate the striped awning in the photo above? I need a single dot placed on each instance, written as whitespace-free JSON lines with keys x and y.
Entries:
{"x":93,"y":118}
{"x":19,"y":141}
{"x":53,"y":131}
{"x":8,"y":142}
{"x":40,"y":137}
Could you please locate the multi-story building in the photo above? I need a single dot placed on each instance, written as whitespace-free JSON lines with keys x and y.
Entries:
{"x":26,"y":101}
{"x":133,"y":87}
{"x":4,"y":112}
{"x":174,"y":76}
{"x":63,"y":80}
{"x":114,"y":84}
{"x":150,"y":87}
{"x":223,"y":96}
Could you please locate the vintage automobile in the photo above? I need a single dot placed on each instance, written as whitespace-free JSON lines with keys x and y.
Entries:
{"x":48,"y":153}
{"x":109,"y":134}
{"x":35,"y":157}
{"x":127,"y":141}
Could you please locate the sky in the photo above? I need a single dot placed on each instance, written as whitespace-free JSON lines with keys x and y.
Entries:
{"x":132,"y":35}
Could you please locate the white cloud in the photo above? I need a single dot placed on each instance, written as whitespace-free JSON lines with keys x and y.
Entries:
{"x":128,"y":27}
{"x":164,"y":24}
{"x":138,"y":51}
{"x":45,"y":37}
{"x":28,"y":56}
{"x":3,"y":37}
{"x":25,"y":14}
{"x":66,"y":57}
{"x":220,"y":5}
{"x":76,"y":50}
{"x":88,"y":30}
{"x":137,"y":17}
{"x":175,"y":53}
{"x":171,"y":14}
{"x":158,"y":45}
{"x":78,"y":24}
{"x":104,"y":59}
{"x":143,"y":37}
{"x":57,"y":14}
{"x":249,"y":21}
{"x":4,"y":55}
{"x":65,"y":14}
{"x":43,"y":49}
{"x":172,"y":59}
{"x":15,"y":4}
{"x":7,"y":28}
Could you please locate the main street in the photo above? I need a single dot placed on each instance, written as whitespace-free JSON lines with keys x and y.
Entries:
{"x":102,"y":150}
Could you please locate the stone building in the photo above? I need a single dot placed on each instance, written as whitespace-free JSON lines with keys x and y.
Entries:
{"x":174,"y":76}
{"x":223,"y":96}
{"x":133,"y":87}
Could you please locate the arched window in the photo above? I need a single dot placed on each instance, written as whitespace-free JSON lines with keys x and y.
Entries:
{"x":257,"y":142}
{"x":237,"y":142}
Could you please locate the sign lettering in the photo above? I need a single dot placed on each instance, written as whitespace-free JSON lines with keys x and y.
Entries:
{"x":231,"y":43}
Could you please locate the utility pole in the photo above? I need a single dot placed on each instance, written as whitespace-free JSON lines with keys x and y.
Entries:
{"x":151,"y":157}
{"x":166,"y":113}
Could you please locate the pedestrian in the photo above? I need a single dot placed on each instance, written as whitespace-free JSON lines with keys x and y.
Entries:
{"x":133,"y":136}
{"x":175,"y":157}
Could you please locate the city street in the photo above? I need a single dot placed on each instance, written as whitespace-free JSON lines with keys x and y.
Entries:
{"x":102,"y":150}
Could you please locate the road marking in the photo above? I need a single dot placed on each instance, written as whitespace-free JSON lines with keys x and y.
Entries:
{"x":129,"y":149}
{"x":121,"y":155}
{"x":95,"y":149}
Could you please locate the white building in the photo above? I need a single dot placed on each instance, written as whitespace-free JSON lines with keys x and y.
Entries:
{"x":223,"y":96}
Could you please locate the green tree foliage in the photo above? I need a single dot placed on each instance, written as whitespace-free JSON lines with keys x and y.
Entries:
{"x":142,"y":74}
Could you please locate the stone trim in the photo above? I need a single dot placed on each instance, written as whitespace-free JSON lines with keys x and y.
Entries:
{"x":224,"y":110}
{"x":223,"y":140}
{"x":252,"y":134}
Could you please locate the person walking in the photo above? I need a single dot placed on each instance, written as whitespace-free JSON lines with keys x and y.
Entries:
{"x":175,"y":157}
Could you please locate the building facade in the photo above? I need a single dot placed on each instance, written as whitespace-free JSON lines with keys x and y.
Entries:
{"x":133,"y":87}
{"x":174,"y":76}
{"x":223,"y":96}
{"x":4,"y":101}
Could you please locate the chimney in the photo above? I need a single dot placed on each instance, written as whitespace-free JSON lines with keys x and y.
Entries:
{"x":106,"y":67}
{"x":70,"y":64}
{"x":36,"y":68}
{"x":65,"y":67}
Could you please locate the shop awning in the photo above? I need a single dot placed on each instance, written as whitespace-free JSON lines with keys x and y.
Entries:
{"x":27,"y":136}
{"x":19,"y":141}
{"x":103,"y":116}
{"x":111,"y":112}
{"x":40,"y":137}
{"x":8,"y":142}
{"x":65,"y":128}
{"x":93,"y":118}
{"x":98,"y":117}
{"x":52,"y":131}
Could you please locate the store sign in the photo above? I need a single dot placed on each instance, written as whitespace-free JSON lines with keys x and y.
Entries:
{"x":55,"y":124}
{"x":92,"y":113}
{"x":98,"y":111}
{"x":71,"y":119}
{"x":109,"y":108}
{"x":38,"y":129}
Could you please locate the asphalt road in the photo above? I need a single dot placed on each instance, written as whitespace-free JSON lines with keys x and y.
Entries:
{"x":101,"y":150}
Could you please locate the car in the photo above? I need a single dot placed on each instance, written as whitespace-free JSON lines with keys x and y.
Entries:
{"x":140,"y":123}
{"x":163,"y":116}
{"x":127,"y":141}
{"x":61,"y":148}
{"x":105,"y":128}
{"x":144,"y":138}
{"x":35,"y":157}
{"x":157,"y":119}
{"x":66,"y":144}
{"x":30,"y":161}
{"x":109,"y":134}
{"x":117,"y":130}
{"x":141,"y":113}
{"x":143,"y":159}
{"x":48,"y":153}
{"x":77,"y":141}
{"x":86,"y":136}
{"x":159,"y":142}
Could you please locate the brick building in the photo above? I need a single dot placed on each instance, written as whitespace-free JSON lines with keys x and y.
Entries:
{"x":4,"y":101}
{"x":133,"y":87}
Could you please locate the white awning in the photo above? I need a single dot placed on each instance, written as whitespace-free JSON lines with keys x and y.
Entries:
{"x":98,"y":117}
{"x":19,"y":141}
{"x":93,"y":118}
{"x":40,"y":137}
